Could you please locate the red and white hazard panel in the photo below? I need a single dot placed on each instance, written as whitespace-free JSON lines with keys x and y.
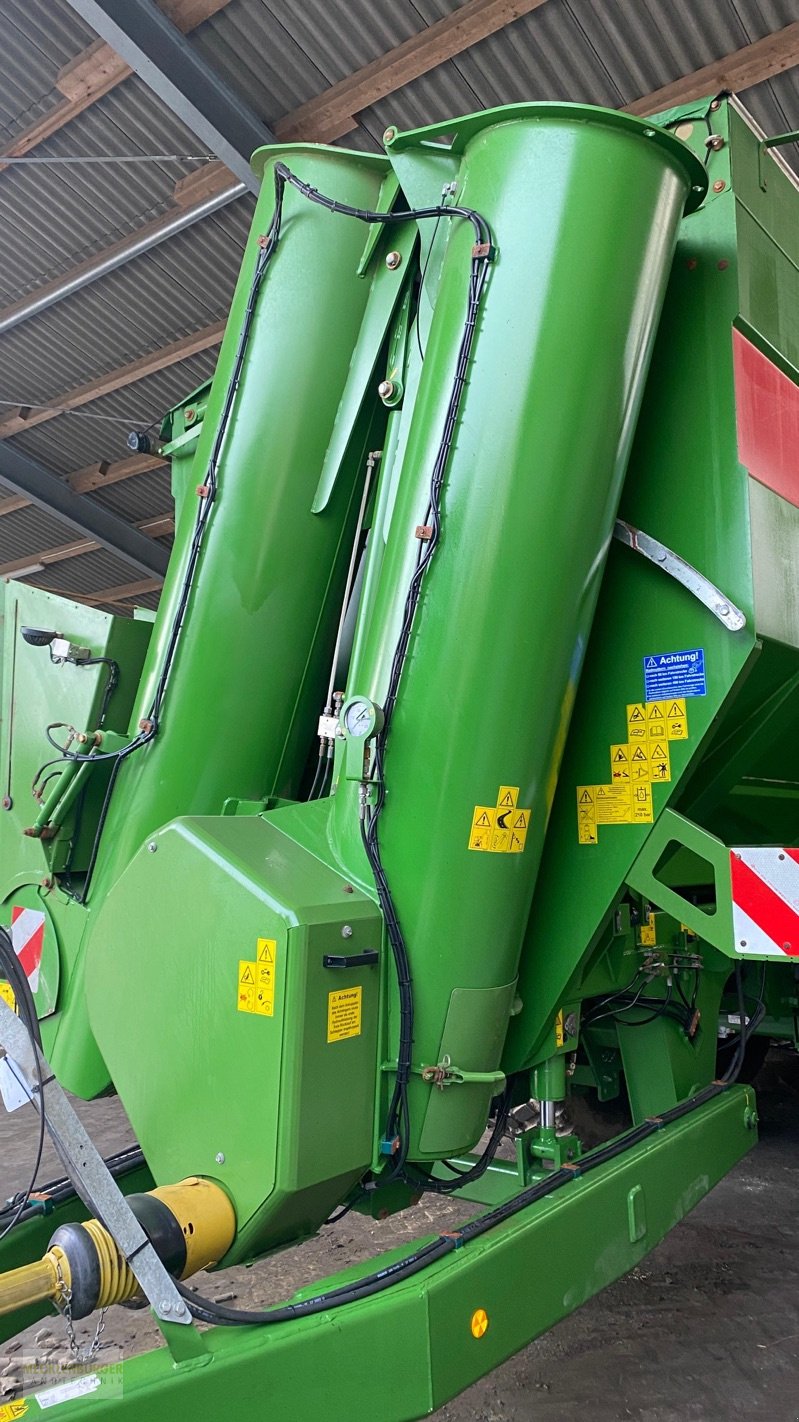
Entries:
{"x":765,"y":901}
{"x":27,"y":936}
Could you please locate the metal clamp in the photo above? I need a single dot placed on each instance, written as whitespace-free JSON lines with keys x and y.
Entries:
{"x":445,"y":1074}
{"x":676,"y":567}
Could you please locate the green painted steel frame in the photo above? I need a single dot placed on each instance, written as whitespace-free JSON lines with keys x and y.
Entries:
{"x":402,"y":1353}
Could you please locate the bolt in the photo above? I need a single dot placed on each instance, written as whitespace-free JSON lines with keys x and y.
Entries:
{"x":743,"y":943}
{"x":715,"y":141}
{"x":47,"y":883}
{"x":723,"y":264}
{"x":220,"y":1157}
{"x":393,"y":260}
{"x":385,"y":389}
{"x":787,"y":947}
{"x":166,"y":1306}
{"x":153,"y":847}
{"x":346,"y":931}
{"x":723,"y":608}
{"x":7,"y":802}
{"x":145,"y":725}
{"x":780,"y":856}
{"x":389,"y":135}
{"x":715,"y":105}
{"x":719,"y":185}
{"x":348,"y":889}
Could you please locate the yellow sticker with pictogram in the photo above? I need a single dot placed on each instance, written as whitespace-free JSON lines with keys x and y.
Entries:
{"x":256,"y":980}
{"x":500,"y":828}
{"x":659,"y":761}
{"x":7,"y":994}
{"x":11,"y":1411}
{"x":646,"y":933}
{"x":636,"y":764}
{"x":636,"y":721}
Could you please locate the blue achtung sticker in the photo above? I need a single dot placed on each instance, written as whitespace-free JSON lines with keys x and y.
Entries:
{"x":674,"y":674}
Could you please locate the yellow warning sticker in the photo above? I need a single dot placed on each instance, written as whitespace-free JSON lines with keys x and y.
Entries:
{"x":641,"y":805}
{"x":635,"y":765}
{"x":508,"y":797}
{"x":676,"y":720}
{"x":586,"y":815}
{"x":639,"y":762}
{"x":620,"y":763}
{"x":636,"y":721}
{"x":559,"y":1036}
{"x":10,"y":1411}
{"x":646,"y":933}
{"x":500,"y":828}
{"x":256,"y":983}
{"x":7,"y":994}
{"x":344,"y":1014}
{"x":612,"y":804}
{"x":659,"y":763}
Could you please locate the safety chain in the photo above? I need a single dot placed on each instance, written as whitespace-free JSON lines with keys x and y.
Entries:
{"x":80,"y":1353}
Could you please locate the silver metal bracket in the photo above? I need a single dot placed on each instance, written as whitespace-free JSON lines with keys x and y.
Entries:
{"x":88,"y":1171}
{"x":676,"y":567}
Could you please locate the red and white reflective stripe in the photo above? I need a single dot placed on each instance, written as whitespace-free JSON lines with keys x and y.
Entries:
{"x":27,"y":936}
{"x":765,"y":901}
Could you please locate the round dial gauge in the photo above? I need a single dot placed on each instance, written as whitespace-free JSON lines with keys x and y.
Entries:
{"x":361,"y":717}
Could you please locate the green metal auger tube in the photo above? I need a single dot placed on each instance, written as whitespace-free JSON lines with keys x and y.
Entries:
{"x":584,"y":207}
{"x":247,"y":656}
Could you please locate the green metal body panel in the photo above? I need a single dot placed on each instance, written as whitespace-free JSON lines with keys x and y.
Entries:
{"x":286,"y":1118}
{"x":481,"y":705}
{"x":405,"y":1352}
{"x":686,"y":487}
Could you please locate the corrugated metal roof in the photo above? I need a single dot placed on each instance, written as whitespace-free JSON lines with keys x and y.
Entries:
{"x":76,"y":440}
{"x":38,"y":40}
{"x":277,"y":55}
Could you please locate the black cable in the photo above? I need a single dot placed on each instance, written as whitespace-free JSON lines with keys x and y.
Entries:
{"x":267,"y":247}
{"x":206,"y":1311}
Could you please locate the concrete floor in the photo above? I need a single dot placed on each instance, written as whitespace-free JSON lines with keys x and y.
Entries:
{"x":705,"y":1330}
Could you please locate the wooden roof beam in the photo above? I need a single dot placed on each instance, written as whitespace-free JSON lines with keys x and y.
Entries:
{"x":333,"y":113}
{"x":95,"y":72}
{"x":27,"y":417}
{"x":157,"y":527}
{"x":741,"y":70}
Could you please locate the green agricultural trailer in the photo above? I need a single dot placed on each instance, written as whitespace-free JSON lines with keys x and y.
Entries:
{"x":452,"y":792}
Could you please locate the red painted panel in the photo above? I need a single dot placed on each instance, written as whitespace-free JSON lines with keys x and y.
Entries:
{"x":767,"y":414}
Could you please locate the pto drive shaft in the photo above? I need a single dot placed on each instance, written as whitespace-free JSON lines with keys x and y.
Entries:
{"x":190,"y":1225}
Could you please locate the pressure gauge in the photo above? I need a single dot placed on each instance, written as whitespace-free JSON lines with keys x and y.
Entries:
{"x":361,"y":718}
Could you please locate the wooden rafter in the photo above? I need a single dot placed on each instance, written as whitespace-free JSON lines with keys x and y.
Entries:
{"x":333,"y":113}
{"x":94,"y":72}
{"x":28,"y":417}
{"x":123,"y":592}
{"x":746,"y":67}
{"x":157,"y":527}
